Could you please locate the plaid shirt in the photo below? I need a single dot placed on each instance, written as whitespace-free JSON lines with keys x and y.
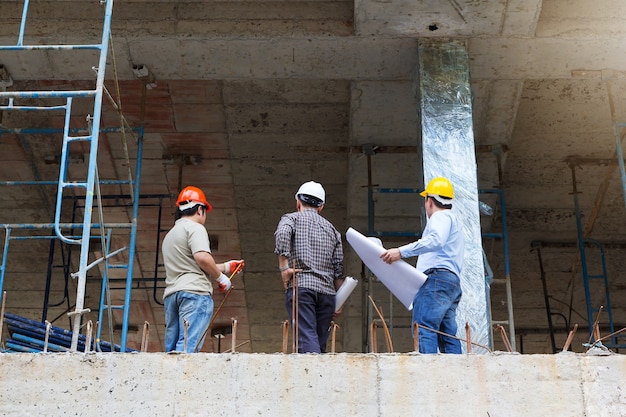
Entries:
{"x":315,"y":245}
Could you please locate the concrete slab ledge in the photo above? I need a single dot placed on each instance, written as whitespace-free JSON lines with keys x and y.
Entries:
{"x":240,"y":384}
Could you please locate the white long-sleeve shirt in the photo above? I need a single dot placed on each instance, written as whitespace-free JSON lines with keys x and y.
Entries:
{"x":442,"y":244}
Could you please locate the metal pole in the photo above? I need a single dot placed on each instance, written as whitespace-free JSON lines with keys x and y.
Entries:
{"x":84,"y":254}
{"x":581,"y":248}
{"x":20,"y":38}
{"x":133,"y":239}
{"x":620,"y":157}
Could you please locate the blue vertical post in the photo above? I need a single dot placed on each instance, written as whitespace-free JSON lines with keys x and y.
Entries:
{"x":20,"y":39}
{"x":504,"y":236}
{"x":620,"y":157}
{"x":5,"y":251}
{"x":133,"y":237}
{"x":581,"y":249}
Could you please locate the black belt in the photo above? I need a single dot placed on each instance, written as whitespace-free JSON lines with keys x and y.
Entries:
{"x":433,"y":270}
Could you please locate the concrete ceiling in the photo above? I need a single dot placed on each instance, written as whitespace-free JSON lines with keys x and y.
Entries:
{"x":252,"y":98}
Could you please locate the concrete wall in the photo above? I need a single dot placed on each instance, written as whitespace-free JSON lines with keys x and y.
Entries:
{"x":155,"y":384}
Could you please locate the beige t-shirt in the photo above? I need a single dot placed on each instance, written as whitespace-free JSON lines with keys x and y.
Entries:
{"x":182,"y":272}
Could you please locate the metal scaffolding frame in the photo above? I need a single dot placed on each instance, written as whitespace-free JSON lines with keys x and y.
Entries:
{"x":584,"y":244}
{"x":90,"y":185}
{"x":368,"y":278}
{"x":503,"y":236}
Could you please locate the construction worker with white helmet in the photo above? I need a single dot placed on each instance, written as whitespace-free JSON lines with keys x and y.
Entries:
{"x":440,"y":253}
{"x":189,"y":266}
{"x":310,"y":242}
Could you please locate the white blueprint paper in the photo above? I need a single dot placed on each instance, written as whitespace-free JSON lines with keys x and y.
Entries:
{"x":402,"y":279}
{"x":344,"y":292}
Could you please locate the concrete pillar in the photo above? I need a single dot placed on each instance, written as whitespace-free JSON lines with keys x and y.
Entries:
{"x":442,"y":84}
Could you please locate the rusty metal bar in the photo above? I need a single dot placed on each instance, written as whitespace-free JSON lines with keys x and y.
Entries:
{"x":285,"y":326}
{"x":570,"y":336}
{"x":373,"y":340}
{"x":233,"y":336}
{"x":145,"y":337}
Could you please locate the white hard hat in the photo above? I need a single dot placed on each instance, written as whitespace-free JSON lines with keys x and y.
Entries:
{"x":311,"y":189}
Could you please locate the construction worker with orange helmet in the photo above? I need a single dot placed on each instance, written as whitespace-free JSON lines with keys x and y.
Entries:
{"x":440,"y":253}
{"x":189,"y":266}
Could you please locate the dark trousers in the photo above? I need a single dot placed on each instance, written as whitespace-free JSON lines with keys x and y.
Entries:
{"x":315,"y":312}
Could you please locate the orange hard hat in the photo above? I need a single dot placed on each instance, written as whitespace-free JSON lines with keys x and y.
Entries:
{"x":191,"y":196}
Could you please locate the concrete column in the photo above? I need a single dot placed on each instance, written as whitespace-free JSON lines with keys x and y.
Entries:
{"x":446,"y":139}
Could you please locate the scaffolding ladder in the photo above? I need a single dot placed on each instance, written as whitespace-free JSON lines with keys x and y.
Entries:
{"x":372,"y":231}
{"x":89,"y":185}
{"x":503,"y":236}
{"x":367,"y":276}
{"x":594,"y":306}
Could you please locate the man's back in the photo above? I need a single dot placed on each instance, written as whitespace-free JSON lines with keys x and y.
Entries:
{"x":315,"y":245}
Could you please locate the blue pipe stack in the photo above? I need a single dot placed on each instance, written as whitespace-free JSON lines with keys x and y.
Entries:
{"x":28,"y":335}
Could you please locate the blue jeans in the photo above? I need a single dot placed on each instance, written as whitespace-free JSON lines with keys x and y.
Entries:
{"x":435,"y":307}
{"x":196,"y":309}
{"x":315,"y":312}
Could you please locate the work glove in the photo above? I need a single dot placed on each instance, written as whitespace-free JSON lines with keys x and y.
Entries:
{"x":224,"y":283}
{"x":231,"y":266}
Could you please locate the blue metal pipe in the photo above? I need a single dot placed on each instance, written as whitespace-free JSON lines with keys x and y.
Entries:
{"x":102,"y":182}
{"x":30,"y":108}
{"x":48,"y":47}
{"x":47,"y":131}
{"x":504,"y":235}
{"x":3,"y":268}
{"x":397,"y":190}
{"x":48,"y":94}
{"x":581,"y":250}
{"x":104,"y":290}
{"x":47,"y":226}
{"x":46,"y":296}
{"x":620,"y":157}
{"x":20,"y":39}
{"x":43,"y":237}
{"x":37,"y":343}
{"x":18,"y":347}
{"x":62,"y":184}
{"x":133,"y":239}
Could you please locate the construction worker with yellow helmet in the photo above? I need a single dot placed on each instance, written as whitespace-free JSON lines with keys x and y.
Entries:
{"x":440,"y":253}
{"x":189,"y":266}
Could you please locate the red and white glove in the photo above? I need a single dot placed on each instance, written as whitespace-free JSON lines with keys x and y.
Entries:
{"x":231,"y":266}
{"x":224,"y":283}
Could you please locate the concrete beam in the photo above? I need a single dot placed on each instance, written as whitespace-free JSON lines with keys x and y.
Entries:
{"x":349,"y":58}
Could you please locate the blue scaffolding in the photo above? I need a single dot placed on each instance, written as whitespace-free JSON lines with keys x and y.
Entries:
{"x":596,"y":285}
{"x":79,"y":233}
{"x":503,"y":237}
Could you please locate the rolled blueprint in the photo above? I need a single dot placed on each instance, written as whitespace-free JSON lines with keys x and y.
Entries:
{"x":402,"y":279}
{"x":344,"y":292}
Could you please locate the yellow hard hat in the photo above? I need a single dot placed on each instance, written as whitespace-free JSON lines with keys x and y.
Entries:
{"x":439,"y":186}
